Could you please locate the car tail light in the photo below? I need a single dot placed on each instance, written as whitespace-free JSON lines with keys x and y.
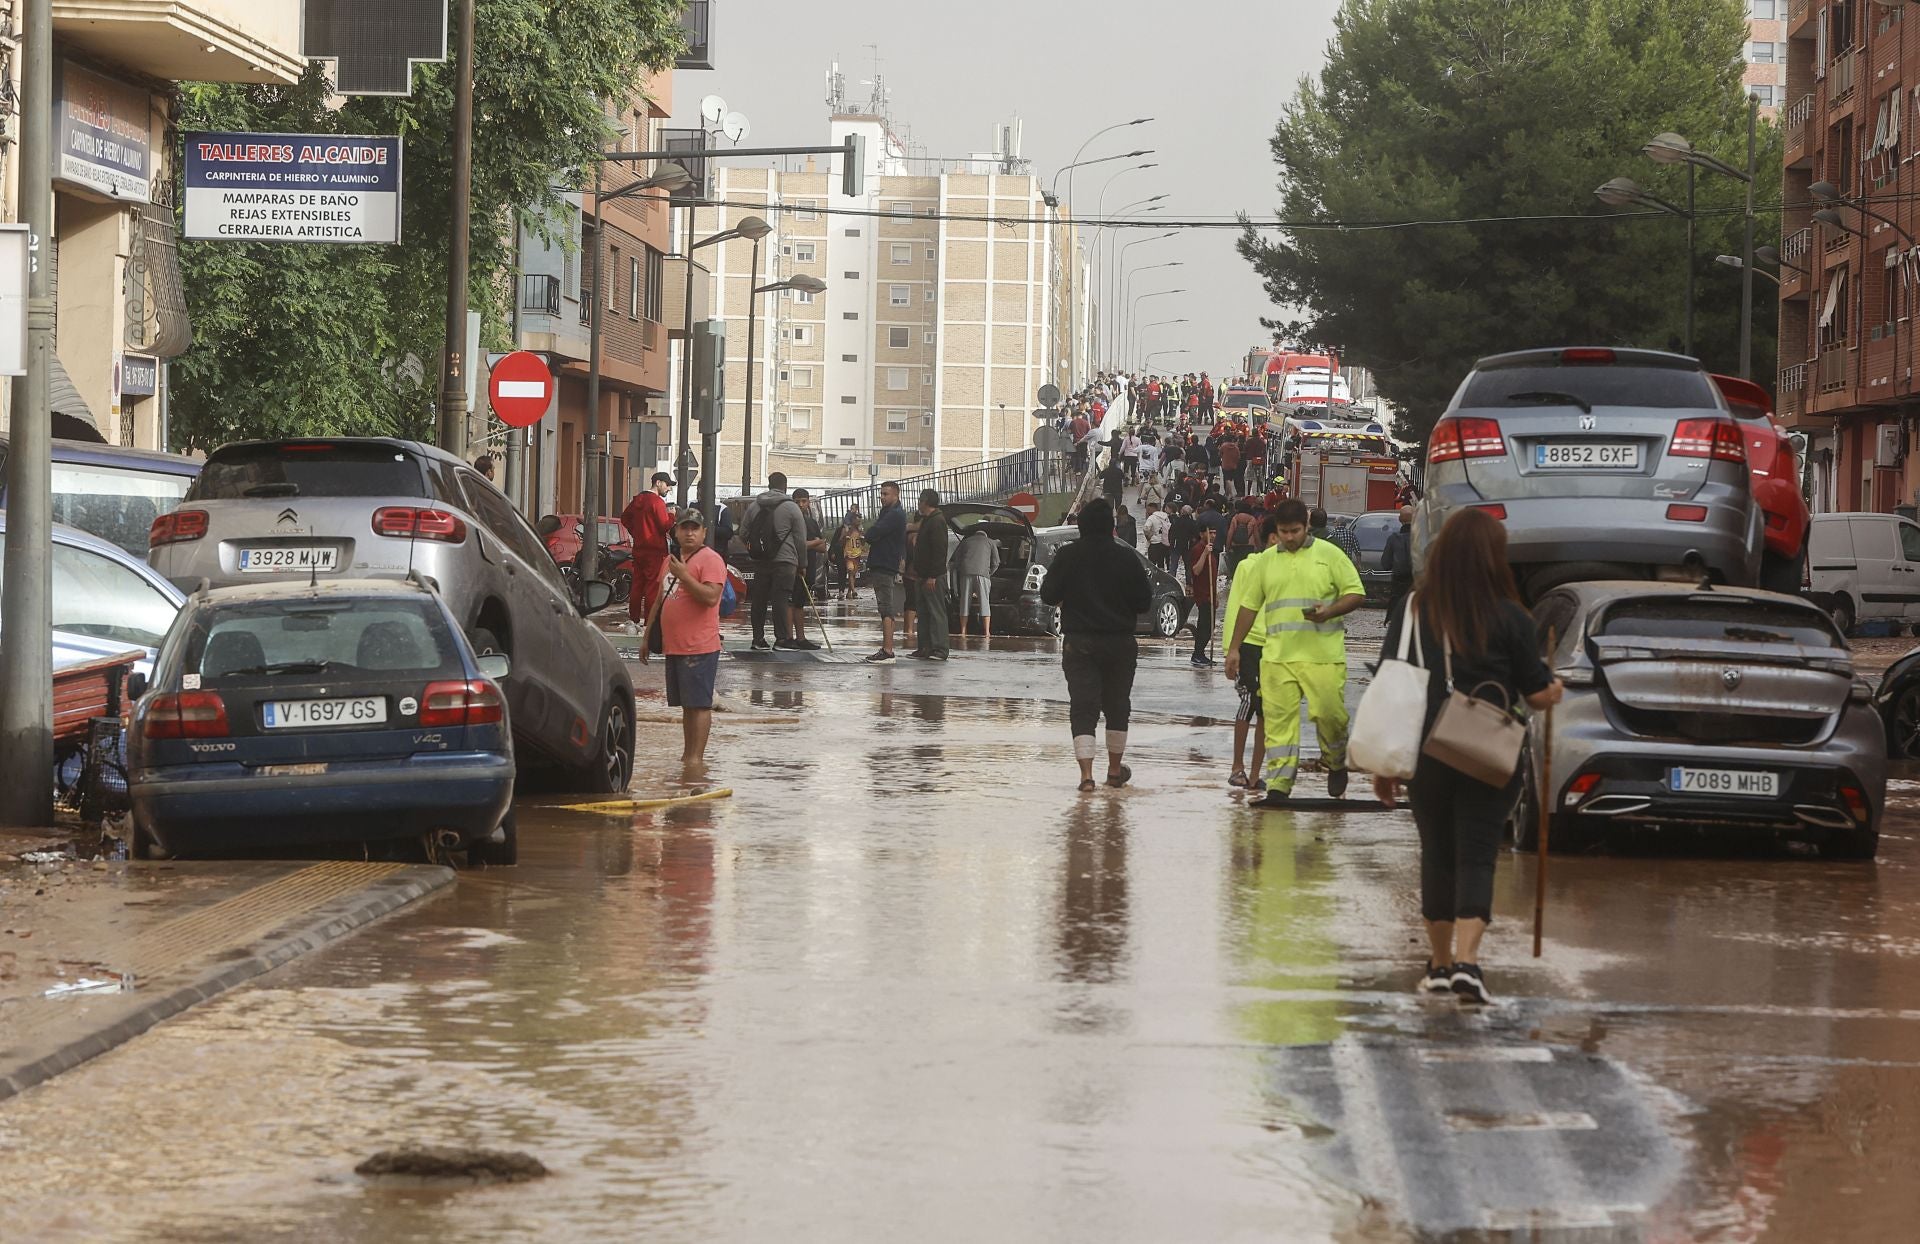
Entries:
{"x":1776,"y":522}
{"x":1466,"y":438}
{"x":188,"y":715}
{"x":410,"y":523}
{"x":1579,"y":788}
{"x":1856,"y":801}
{"x":1586,"y":356}
{"x":1709,"y":438}
{"x":178,"y":527}
{"x":1687,"y":513}
{"x":1494,"y":508}
{"x":467,"y":703}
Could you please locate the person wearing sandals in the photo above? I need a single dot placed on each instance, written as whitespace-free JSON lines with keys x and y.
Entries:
{"x":1100,"y":588}
{"x":1250,"y":717}
{"x":1471,"y":622}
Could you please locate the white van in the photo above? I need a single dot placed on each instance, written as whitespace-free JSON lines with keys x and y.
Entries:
{"x":1865,"y":566}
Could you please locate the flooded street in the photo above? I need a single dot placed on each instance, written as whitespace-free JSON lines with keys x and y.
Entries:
{"x":906,"y":983}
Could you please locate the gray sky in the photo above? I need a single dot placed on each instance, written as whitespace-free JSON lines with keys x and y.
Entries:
{"x":1223,"y":70}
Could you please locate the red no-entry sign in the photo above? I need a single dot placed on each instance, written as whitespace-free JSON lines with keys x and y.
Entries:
{"x":1025,"y":503}
{"x":520,"y":386}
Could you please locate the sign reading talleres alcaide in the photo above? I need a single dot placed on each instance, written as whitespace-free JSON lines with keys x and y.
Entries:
{"x":292,"y":188}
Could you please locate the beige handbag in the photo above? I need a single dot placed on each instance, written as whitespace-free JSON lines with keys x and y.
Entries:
{"x":1476,"y":737}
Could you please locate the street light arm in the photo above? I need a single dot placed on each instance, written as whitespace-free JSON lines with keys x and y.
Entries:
{"x":1075,"y":163}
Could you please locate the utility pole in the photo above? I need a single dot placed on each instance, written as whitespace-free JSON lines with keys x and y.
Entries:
{"x":26,"y":612}
{"x":590,"y":475}
{"x":453,"y":377}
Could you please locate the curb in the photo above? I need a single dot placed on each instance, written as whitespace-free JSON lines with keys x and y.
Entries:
{"x":325,"y":924}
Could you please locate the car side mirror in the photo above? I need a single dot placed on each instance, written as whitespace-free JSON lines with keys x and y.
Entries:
{"x":494,"y":666}
{"x":136,"y":685}
{"x":595,"y":596}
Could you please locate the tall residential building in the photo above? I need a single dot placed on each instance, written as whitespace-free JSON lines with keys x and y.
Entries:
{"x":942,"y":317}
{"x":1847,"y":289}
{"x":120,"y":309}
{"x":1767,"y":53}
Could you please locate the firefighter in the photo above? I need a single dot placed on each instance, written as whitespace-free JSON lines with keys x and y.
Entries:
{"x":1304,"y":588}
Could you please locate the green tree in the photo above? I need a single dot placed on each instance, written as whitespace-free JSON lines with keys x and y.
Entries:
{"x":304,"y":339}
{"x":1462,"y":110}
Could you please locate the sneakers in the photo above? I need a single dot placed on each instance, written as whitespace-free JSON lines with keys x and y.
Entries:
{"x":880,"y":657}
{"x":805,"y":645}
{"x":937,"y":656}
{"x":1337,"y":783}
{"x":1469,"y":986}
{"x":761,"y":645}
{"x":1436,"y":981}
{"x":1201,"y":663}
{"x":920,"y":654}
{"x":790,"y":645}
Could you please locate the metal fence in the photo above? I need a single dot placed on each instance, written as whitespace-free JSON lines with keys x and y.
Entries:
{"x":1036,"y":471}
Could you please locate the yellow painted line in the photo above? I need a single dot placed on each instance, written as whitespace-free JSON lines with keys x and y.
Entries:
{"x":613,"y":806}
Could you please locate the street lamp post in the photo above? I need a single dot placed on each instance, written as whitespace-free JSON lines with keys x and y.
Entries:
{"x":1140,"y":333}
{"x":807,"y":284}
{"x":1099,"y":215}
{"x":1625,"y":192}
{"x":754,"y":228}
{"x":668,"y":177}
{"x":1074,"y":337}
{"x":1673,"y":149}
{"x":1124,"y":330}
{"x":1147,"y":362}
{"x":1734,"y":261}
{"x":1156,"y":293}
{"x":1120,"y":260}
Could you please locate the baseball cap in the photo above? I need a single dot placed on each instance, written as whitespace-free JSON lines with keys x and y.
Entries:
{"x":661,"y":477}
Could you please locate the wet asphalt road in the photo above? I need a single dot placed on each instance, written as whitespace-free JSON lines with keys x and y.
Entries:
{"x":908,"y":984}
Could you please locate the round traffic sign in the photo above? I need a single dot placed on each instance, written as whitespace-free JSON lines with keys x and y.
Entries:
{"x":521,"y":387}
{"x":1049,"y":395}
{"x":1026,"y":504}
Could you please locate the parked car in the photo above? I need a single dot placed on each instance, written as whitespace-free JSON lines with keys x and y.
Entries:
{"x":323,"y":509}
{"x":1898,"y":701}
{"x":1370,"y":532}
{"x":1603,"y":463}
{"x":113,"y":492}
{"x":1716,"y":707}
{"x":283,"y":715}
{"x":1773,"y":470}
{"x":1864,"y":567}
{"x":1164,"y":618}
{"x":103,"y":593}
{"x":561,"y":533}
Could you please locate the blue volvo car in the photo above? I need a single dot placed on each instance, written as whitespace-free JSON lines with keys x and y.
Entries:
{"x":285,"y":715}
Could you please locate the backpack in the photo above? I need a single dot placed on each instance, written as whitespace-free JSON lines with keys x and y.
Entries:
{"x":729,"y":600}
{"x":758,"y":534}
{"x":1240,"y":536}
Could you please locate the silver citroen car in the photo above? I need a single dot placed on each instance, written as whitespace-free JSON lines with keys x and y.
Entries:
{"x":1690,"y":706}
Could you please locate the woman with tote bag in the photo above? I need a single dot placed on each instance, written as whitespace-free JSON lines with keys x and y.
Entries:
{"x":1481,"y":655}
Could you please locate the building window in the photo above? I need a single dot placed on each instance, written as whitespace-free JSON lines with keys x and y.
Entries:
{"x":1760,"y":53}
{"x":633,"y":288}
{"x":899,"y":338}
{"x":803,"y":377}
{"x":851,"y":276}
{"x":900,"y":254}
{"x":900,"y":209}
{"x":803,"y":209}
{"x":932,"y":253}
{"x":929,"y":293}
{"x":926,"y":339}
{"x":898,"y":379}
{"x":896,"y":459}
{"x":851,"y":233}
{"x":803,"y":335}
{"x":786,"y":374}
{"x":849,"y":315}
{"x":800,"y":420}
{"x":848,"y":400}
{"x":1763,"y":93}
{"x":656,"y":285}
{"x":613,"y":282}
{"x":803,"y":252}
{"x":896,"y":421}
{"x":849,"y":358}
{"x":926,"y":377}
{"x":800,"y":295}
{"x":1763,"y":10}
{"x":899,"y":295}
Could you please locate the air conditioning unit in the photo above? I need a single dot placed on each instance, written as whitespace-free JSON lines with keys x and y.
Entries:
{"x":1887,"y":449}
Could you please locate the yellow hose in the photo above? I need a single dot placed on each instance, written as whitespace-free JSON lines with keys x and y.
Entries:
{"x":613,"y":806}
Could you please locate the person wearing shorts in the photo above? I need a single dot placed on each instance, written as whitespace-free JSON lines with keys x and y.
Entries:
{"x":1250,"y":710}
{"x":688,"y":611}
{"x":886,"y":550}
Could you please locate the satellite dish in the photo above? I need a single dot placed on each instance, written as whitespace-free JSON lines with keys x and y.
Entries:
{"x":1049,"y":395}
{"x":736,"y":126}
{"x":713,"y":109}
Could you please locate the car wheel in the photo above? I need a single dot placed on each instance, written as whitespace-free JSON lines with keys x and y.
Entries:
{"x":144,"y":846}
{"x":1852,"y":844}
{"x":1782,"y":574}
{"x":500,"y":854}
{"x":1903,"y":722}
{"x":622,"y":584}
{"x":611,"y":769}
{"x":484,"y":641}
{"x":1841,"y":611}
{"x":1166,"y":618}
{"x":1523,"y":823}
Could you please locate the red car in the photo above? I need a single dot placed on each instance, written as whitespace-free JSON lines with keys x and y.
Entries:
{"x":1775,"y":470}
{"x":563,"y":542}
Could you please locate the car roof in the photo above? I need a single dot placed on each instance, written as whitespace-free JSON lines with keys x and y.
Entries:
{"x":76,"y":538}
{"x":89,"y":453}
{"x":1545,"y":356}
{"x":985,"y":509}
{"x":338,"y":589}
{"x":392,"y":442}
{"x":1601,"y":591}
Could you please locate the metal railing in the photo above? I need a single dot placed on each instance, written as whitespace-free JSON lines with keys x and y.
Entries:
{"x":1832,"y":367}
{"x":1796,"y":9}
{"x":1842,"y":74}
{"x":1031,"y":470}
{"x":1794,"y":119}
{"x":696,"y":22}
{"x":1791,"y":396}
{"x":1797,"y":246}
{"x":540,"y":292}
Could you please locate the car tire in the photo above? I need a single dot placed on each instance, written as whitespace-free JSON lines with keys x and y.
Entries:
{"x":484,"y":641}
{"x":1840,"y":609}
{"x":502,"y":854}
{"x":1903,"y":722}
{"x":610,"y":771}
{"x":1783,"y":574}
{"x":1852,"y":844}
{"x":144,"y":846}
{"x":1166,"y":618}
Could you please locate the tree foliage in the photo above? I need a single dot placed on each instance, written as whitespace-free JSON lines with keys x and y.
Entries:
{"x":1447,"y":110}
{"x":307,"y":339}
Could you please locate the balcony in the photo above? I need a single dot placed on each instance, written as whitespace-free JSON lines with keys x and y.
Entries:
{"x":649,"y":334}
{"x":1796,"y":247}
{"x":696,"y":22}
{"x":1794,"y":119}
{"x":540,"y":294}
{"x":1833,"y":367}
{"x":188,"y":40}
{"x":1791,"y":396}
{"x":1797,"y":11}
{"x":1843,"y":75}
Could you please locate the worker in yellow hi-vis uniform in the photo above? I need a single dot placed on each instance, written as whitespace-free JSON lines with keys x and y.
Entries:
{"x":1305,"y":587}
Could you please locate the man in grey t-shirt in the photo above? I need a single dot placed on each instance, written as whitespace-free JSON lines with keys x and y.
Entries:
{"x":775,"y":535}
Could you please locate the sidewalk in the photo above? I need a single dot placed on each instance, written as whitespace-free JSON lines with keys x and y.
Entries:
{"x":93,"y":953}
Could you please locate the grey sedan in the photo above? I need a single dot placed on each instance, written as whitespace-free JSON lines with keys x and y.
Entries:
{"x":1710,"y":707}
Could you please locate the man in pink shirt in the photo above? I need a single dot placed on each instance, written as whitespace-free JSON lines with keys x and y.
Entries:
{"x":688,"y":610}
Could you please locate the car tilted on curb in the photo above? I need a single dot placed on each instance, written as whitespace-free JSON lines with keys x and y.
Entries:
{"x":321,"y":509}
{"x":280,"y":716}
{"x":1723,"y":707}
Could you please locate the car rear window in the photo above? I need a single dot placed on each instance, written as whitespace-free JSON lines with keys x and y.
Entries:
{"x":1595,"y":384}
{"x":1372,"y":536}
{"x":309,"y":469}
{"x":1744,"y":620}
{"x":115,"y":503}
{"x":378,"y":636}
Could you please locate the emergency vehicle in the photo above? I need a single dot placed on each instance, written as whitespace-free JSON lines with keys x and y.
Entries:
{"x":1338,"y":466}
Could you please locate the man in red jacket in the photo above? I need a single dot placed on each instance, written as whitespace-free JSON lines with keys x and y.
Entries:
{"x":648,"y":524}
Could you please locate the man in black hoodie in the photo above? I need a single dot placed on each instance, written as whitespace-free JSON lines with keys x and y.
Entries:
{"x":931,"y":549}
{"x":1100,"y":588}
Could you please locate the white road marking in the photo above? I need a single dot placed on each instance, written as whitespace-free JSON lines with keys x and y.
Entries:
{"x":1486,"y":1054}
{"x":1541,"y":1121}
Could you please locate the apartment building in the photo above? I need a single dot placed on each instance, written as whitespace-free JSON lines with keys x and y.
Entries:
{"x":940,"y":321}
{"x":1766,"y":74}
{"x":1848,"y":286}
{"x":121,"y":310}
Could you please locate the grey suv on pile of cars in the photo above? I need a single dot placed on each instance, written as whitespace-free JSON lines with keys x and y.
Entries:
{"x":322,"y":509}
{"x":1604,"y":464}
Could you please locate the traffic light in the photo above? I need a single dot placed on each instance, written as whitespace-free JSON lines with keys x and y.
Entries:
{"x":709,"y":375}
{"x":853,"y":167}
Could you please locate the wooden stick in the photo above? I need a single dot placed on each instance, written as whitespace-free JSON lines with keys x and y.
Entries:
{"x":1545,"y":793}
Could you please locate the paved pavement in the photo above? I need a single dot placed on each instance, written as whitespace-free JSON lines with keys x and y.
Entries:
{"x":906,"y":983}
